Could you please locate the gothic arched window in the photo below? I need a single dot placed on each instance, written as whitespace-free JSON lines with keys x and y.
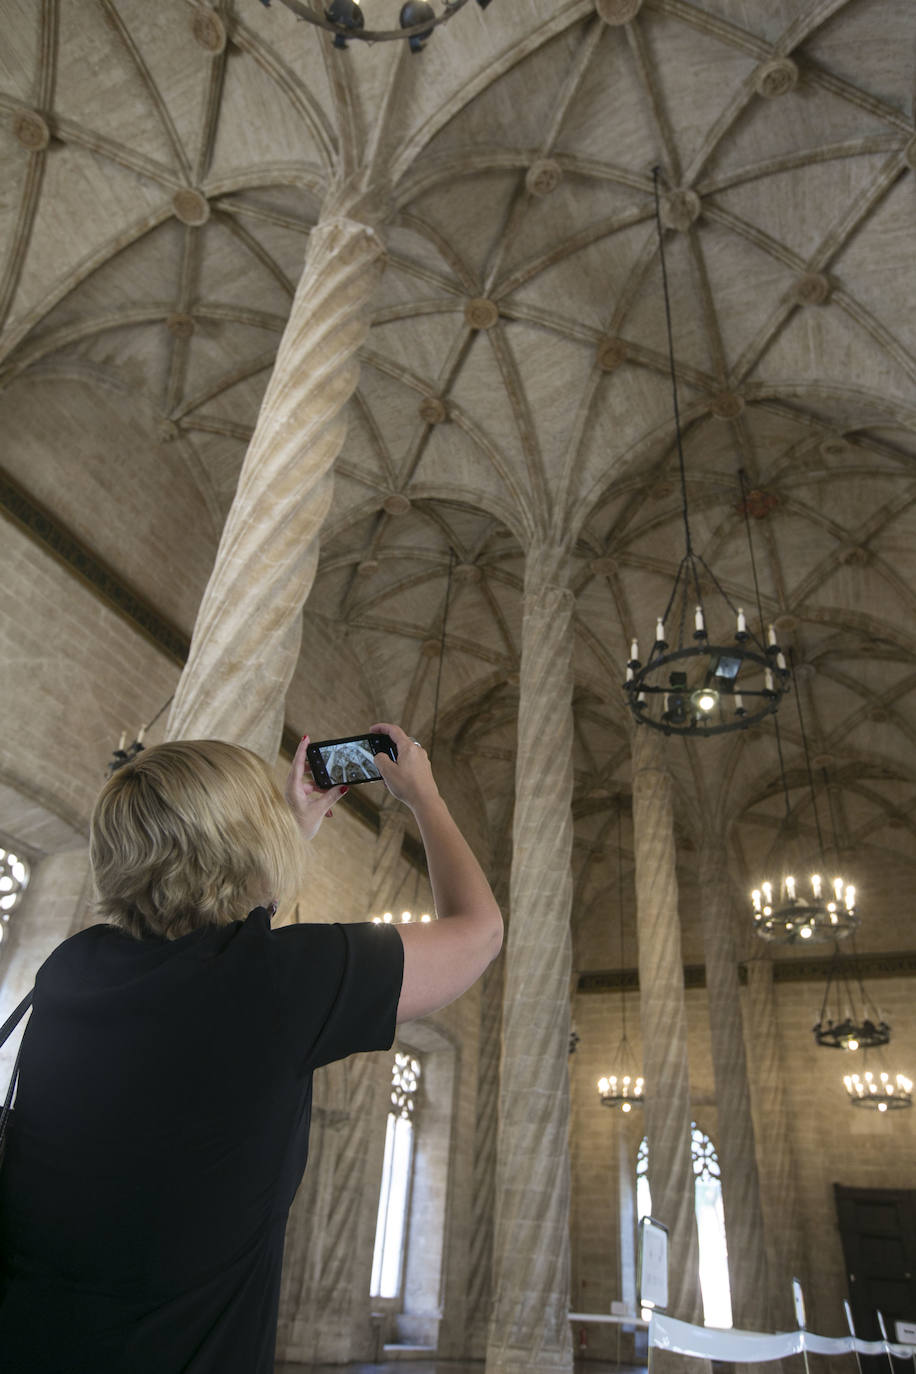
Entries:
{"x":391,"y":1226}
{"x":710,"y":1214}
{"x":14,"y":879}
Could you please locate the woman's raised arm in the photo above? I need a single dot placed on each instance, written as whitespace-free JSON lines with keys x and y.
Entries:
{"x":444,"y":958}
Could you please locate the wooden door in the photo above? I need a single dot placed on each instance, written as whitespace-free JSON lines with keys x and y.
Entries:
{"x":878,"y":1230}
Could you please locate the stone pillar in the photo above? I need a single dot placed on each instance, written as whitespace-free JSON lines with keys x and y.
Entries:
{"x":246,"y":640}
{"x":529,"y":1330}
{"x":779,"y":1194}
{"x":747,"y":1266}
{"x":663,"y":1021}
{"x":480,"y":1282}
{"x":333,"y":1314}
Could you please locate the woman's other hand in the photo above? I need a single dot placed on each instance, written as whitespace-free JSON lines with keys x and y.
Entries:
{"x":411,"y":778}
{"x":308,"y":802}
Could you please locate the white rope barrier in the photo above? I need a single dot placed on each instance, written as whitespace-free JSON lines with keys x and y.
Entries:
{"x":756,"y":1347}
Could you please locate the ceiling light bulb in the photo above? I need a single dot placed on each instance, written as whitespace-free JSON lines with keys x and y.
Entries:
{"x":625,"y":1107}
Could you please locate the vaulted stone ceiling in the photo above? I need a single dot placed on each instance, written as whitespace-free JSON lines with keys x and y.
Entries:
{"x":161,"y":167}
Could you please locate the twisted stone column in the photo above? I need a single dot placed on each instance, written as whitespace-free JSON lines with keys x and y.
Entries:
{"x":338,"y":1322}
{"x":663,"y":1022}
{"x":747,"y":1266}
{"x":529,"y":1330}
{"x":779,"y":1198}
{"x":246,"y":639}
{"x":480,"y":1282}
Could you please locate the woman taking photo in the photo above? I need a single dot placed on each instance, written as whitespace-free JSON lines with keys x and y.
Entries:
{"x":162,"y":1117}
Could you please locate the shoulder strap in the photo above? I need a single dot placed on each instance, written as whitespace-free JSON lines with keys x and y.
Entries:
{"x":12,"y":1022}
{"x":6,"y":1031}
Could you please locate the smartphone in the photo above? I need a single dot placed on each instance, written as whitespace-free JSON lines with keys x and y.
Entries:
{"x":336,"y":761}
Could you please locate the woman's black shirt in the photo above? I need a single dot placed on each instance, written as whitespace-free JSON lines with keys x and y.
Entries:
{"x":160,"y":1134}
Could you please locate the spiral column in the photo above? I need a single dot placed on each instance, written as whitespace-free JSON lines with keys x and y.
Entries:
{"x":339,"y":1321}
{"x":480,"y":1279}
{"x":246,"y":639}
{"x":529,"y":1326}
{"x":779,"y":1192}
{"x":747,"y":1265}
{"x":663,"y":1022}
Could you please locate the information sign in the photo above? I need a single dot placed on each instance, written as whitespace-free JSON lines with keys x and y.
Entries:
{"x":653,"y":1264}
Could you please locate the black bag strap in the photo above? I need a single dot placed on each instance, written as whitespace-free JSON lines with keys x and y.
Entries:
{"x":6,"y":1031}
{"x":12,"y":1022}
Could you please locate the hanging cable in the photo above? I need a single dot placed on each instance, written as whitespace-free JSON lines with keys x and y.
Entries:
{"x":677,"y":412}
{"x":448,"y":597}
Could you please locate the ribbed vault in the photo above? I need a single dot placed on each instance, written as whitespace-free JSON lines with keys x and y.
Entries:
{"x":162,"y":167}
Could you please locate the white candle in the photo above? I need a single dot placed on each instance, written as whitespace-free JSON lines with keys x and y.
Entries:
{"x":742,"y":622}
{"x":698,"y":618}
{"x":838,"y":888}
{"x":771,"y":635}
{"x":659,"y":630}
{"x":140,"y":733}
{"x":816,"y":884}
{"x":790,"y":889}
{"x":123,"y":740}
{"x":630,"y":674}
{"x":781,"y":661}
{"x":739,"y":704}
{"x":755,"y":898}
{"x":768,"y":680}
{"x":850,"y":898}
{"x":768,"y":891}
{"x":634,"y":651}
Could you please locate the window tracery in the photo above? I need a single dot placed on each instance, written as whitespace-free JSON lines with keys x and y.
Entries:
{"x":14,"y":879}
{"x":397,"y":1171}
{"x":710,"y":1217}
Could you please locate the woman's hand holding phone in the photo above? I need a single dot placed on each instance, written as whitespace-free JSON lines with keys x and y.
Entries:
{"x":308,"y":802}
{"x":410,"y":779}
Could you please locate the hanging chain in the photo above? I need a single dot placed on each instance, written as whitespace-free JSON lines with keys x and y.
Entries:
{"x":448,"y":597}
{"x":677,"y":412}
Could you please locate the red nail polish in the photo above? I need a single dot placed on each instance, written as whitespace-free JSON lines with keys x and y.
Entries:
{"x":344,"y":789}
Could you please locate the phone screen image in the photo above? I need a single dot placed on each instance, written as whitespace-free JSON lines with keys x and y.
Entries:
{"x":339,"y":761}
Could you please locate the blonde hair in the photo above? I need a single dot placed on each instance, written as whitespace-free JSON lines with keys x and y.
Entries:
{"x":190,"y":834}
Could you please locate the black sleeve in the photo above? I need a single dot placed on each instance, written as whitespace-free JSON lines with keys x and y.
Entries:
{"x":337,"y":987}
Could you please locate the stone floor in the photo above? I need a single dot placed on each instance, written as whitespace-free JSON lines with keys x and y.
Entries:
{"x":441,"y":1367}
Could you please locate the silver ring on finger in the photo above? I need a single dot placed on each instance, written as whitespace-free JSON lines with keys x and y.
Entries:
{"x":418,"y":744}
